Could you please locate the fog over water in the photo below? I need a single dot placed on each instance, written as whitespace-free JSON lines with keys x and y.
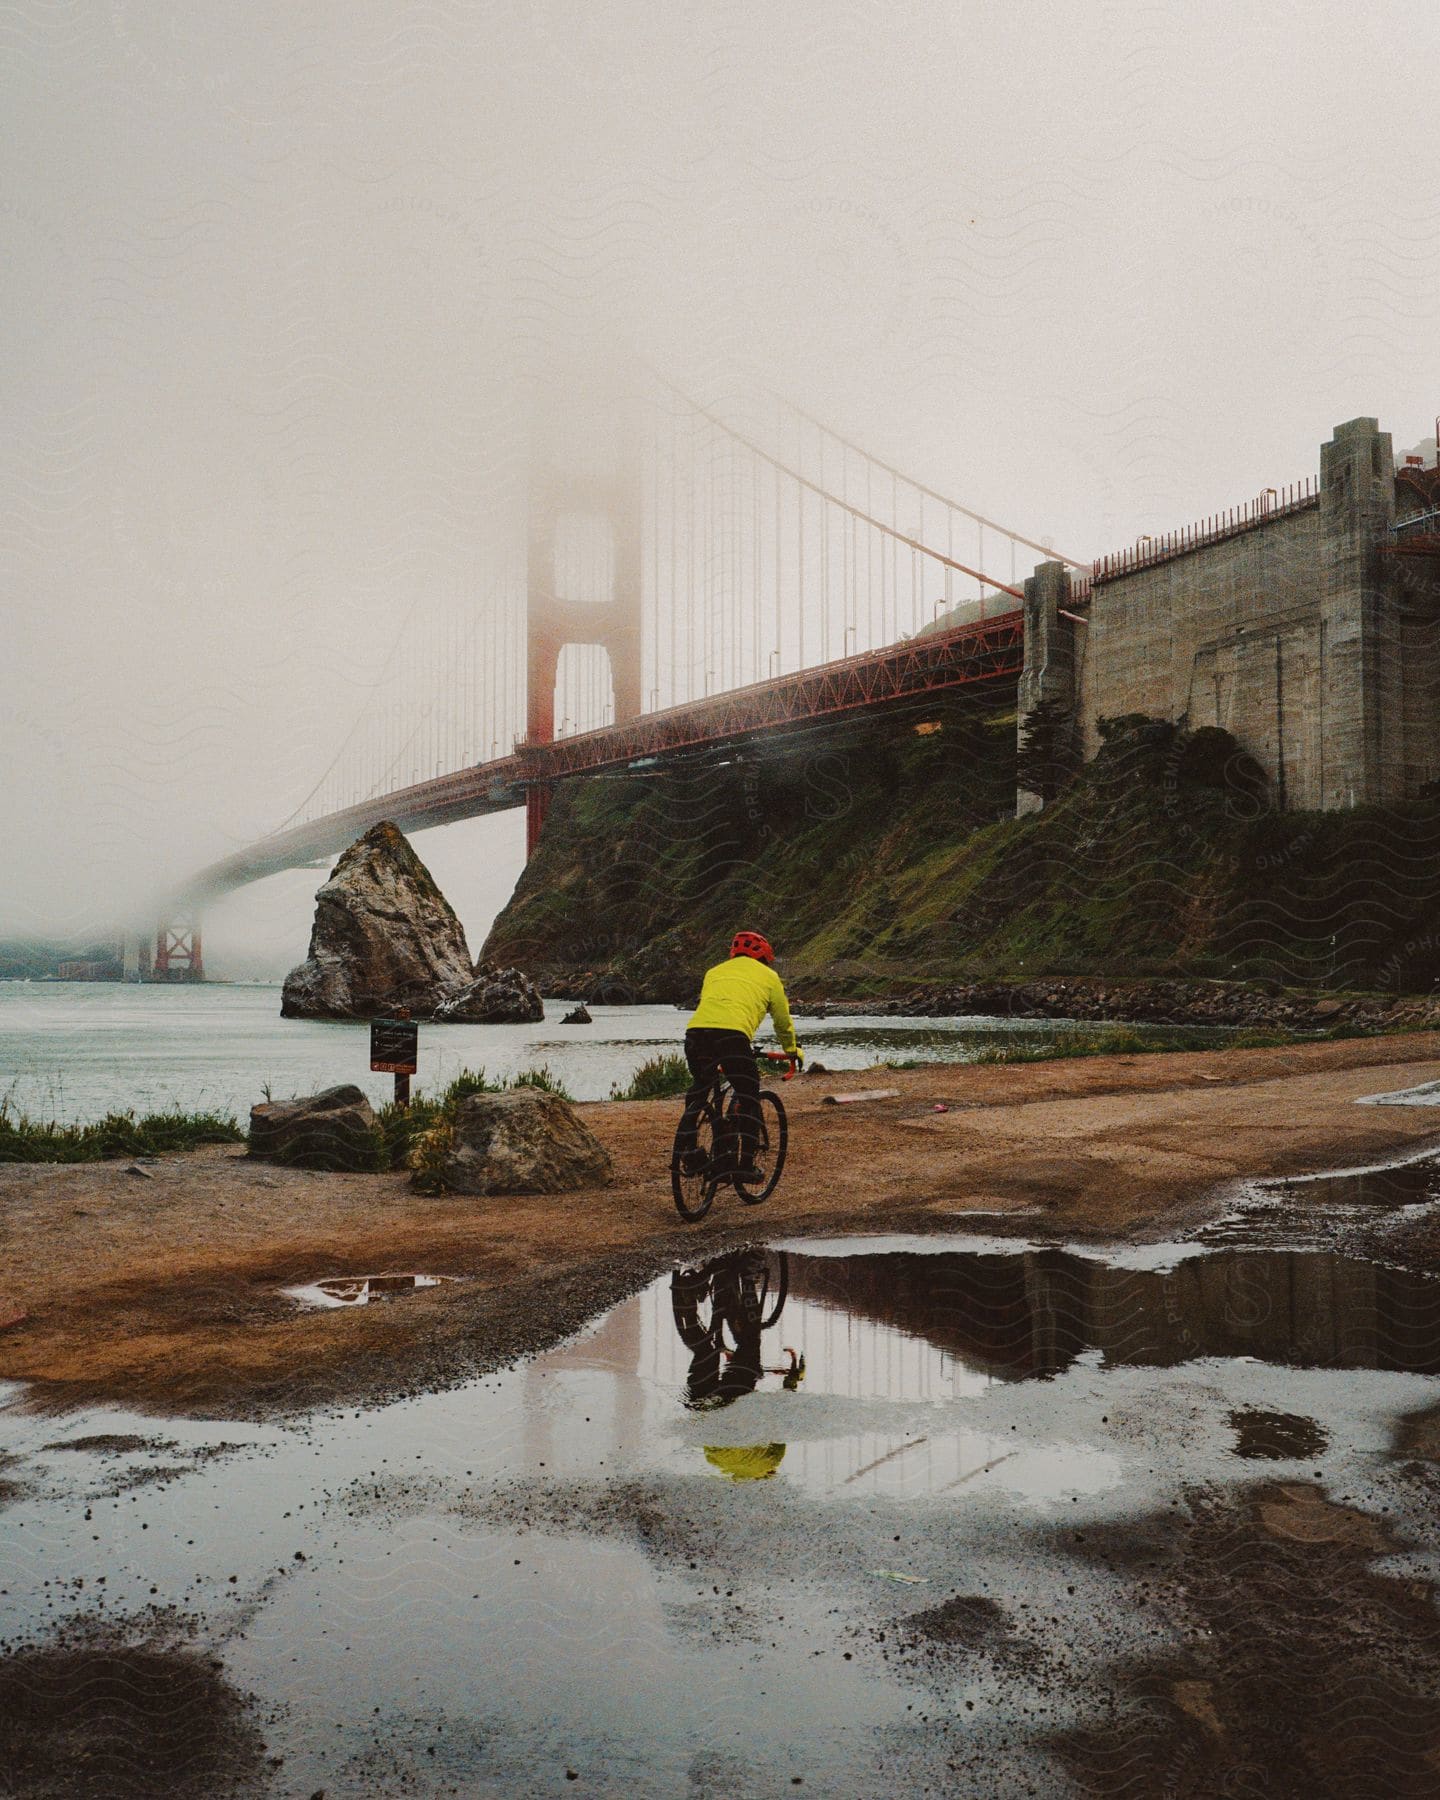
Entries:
{"x":280,"y":282}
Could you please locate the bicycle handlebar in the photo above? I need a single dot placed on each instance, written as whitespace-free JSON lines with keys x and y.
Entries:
{"x":779,"y":1056}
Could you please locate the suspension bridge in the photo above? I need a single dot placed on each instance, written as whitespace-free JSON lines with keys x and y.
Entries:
{"x":681,"y":577}
{"x":671,"y":578}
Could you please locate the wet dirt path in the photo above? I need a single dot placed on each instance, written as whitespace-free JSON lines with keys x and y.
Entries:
{"x":160,"y":1289}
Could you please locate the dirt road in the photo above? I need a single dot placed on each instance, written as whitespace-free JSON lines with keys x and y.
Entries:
{"x":159,"y":1288}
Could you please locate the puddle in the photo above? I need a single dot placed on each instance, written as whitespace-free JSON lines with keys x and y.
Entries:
{"x":824,"y":1513}
{"x":1347,"y":1208}
{"x":359,"y":1290}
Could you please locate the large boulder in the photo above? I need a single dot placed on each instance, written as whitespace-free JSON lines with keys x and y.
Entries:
{"x":526,"y":1141}
{"x":494,"y":997}
{"x":331,"y":1130}
{"x":384,"y":936}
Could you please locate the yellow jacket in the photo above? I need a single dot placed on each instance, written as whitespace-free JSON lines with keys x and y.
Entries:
{"x":736,"y":995}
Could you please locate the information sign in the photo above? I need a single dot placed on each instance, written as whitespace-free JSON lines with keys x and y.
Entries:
{"x":394,"y":1046}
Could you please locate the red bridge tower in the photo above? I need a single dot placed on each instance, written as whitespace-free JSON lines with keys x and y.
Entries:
{"x":582,"y":521}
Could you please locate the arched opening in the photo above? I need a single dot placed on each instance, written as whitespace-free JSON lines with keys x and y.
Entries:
{"x":584,"y":689}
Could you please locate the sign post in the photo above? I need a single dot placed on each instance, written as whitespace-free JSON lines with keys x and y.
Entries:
{"x":394,"y":1050}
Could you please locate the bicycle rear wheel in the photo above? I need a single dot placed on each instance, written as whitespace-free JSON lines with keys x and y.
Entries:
{"x":769,"y":1151}
{"x":775,"y":1287}
{"x":692,"y":1161}
{"x":762,"y":1285}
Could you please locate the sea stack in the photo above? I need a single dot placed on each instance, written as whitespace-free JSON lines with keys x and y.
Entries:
{"x":384,"y":936}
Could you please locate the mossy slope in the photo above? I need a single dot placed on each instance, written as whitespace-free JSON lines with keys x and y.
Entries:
{"x":878,"y":857}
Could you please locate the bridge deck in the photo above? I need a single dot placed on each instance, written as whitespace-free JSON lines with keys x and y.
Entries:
{"x":990,"y":650}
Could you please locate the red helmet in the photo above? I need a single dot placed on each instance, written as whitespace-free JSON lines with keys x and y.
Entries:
{"x":750,"y":943}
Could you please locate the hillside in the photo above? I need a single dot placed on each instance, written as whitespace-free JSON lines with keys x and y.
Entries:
{"x":883,"y":856}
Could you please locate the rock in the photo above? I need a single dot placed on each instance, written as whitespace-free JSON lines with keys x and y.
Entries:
{"x":384,"y":936}
{"x":526,"y":1141}
{"x":1327,"y":1009}
{"x":494,"y":997}
{"x":332,"y":1130}
{"x":580,"y":1016}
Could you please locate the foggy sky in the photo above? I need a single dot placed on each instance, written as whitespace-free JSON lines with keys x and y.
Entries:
{"x":273,"y":271}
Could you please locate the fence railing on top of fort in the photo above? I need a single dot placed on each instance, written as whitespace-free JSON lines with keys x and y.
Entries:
{"x":1273,"y":503}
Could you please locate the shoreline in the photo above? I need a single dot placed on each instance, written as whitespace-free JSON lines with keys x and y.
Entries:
{"x":1181,"y":1001}
{"x":162,"y":1293}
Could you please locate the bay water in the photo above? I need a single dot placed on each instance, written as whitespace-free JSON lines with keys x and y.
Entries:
{"x":74,"y":1051}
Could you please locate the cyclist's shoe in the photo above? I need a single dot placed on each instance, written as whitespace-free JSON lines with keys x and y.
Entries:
{"x":694,"y":1162}
{"x":748,"y":1175}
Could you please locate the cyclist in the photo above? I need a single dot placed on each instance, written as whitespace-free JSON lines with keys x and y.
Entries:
{"x":735,"y":997}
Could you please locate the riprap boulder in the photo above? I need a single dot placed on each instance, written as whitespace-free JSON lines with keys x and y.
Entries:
{"x":526,"y":1141}
{"x":330,"y":1130}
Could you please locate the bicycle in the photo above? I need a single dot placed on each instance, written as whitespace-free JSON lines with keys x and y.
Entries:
{"x":720,"y":1311}
{"x":729,"y":1297}
{"x":707,"y":1145}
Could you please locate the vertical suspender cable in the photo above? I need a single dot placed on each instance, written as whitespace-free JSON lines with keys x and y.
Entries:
{"x":800,"y":535}
{"x":824,"y":566}
{"x":869,"y":561}
{"x":672,"y":596}
{"x":775,"y":553}
{"x":755,"y":638}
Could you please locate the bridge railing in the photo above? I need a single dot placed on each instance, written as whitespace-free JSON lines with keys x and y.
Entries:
{"x":1273,"y":503}
{"x":984,"y":651}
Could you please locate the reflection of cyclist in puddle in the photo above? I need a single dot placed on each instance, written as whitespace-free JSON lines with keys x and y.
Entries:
{"x":720,"y":1311}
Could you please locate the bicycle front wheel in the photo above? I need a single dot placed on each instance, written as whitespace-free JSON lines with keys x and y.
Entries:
{"x":769,"y":1151}
{"x":692,"y":1162}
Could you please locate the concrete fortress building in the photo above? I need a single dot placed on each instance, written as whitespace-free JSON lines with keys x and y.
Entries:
{"x":1306,"y":623}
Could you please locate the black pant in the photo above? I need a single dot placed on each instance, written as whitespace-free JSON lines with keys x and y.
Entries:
{"x":707,"y":1050}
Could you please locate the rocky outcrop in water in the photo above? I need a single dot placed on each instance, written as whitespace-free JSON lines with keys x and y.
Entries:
{"x":331,"y":1130}
{"x":526,"y":1141}
{"x":494,"y":997}
{"x":384,"y":936}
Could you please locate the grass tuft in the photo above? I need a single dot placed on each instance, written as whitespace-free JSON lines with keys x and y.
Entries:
{"x":661,"y":1078}
{"x":540,"y":1078}
{"x":23,"y":1139}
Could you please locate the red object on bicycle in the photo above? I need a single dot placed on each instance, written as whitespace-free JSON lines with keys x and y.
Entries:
{"x":783,"y":1056}
{"x":750,"y":943}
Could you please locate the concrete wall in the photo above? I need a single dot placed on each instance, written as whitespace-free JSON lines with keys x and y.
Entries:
{"x":1229,"y":635}
{"x":1318,"y":650}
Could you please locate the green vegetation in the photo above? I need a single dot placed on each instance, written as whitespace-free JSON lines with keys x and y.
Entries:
{"x":23,"y":1139}
{"x":662,"y":1078}
{"x":417,"y":1137}
{"x":540,"y":1078}
{"x":878,"y":857}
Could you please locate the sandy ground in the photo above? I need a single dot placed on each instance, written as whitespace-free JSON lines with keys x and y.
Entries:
{"x":159,"y":1289}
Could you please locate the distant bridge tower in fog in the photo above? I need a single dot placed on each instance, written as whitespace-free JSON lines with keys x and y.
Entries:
{"x":583,"y":587}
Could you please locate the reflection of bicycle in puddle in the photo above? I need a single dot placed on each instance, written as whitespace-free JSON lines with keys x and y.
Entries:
{"x":720,"y":1312}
